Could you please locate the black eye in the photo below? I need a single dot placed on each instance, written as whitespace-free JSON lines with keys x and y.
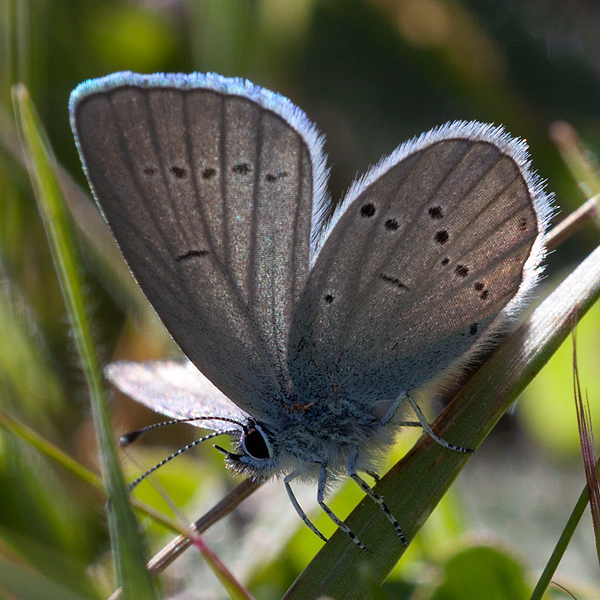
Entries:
{"x":255,"y":445}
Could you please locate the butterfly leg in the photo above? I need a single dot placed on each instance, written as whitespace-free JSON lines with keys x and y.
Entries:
{"x":374,"y":475}
{"x":427,"y":429}
{"x":368,"y":490}
{"x":329,"y":512}
{"x":391,"y":411}
{"x":298,"y":508}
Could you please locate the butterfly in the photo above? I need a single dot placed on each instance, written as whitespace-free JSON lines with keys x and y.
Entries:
{"x":305,"y":335}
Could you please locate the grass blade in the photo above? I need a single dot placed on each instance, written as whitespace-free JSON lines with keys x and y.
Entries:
{"x":591,"y":468}
{"x":561,"y":546}
{"x":23,"y":584}
{"x":588,"y":448}
{"x":127,"y":546}
{"x":76,"y":469}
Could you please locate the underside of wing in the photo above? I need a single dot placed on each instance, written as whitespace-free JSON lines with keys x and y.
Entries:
{"x":207,"y":185}
{"x":176,"y":389}
{"x":436,"y":243}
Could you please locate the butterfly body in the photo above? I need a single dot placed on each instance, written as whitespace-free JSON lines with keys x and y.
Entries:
{"x":306,"y":436}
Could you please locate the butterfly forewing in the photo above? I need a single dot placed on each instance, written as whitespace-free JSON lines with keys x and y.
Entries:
{"x":450,"y":226}
{"x":209,"y":196}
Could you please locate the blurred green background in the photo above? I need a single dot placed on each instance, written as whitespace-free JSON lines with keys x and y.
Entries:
{"x":370,"y":74}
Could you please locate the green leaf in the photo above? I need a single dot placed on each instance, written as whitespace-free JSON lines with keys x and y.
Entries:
{"x":482,"y":569}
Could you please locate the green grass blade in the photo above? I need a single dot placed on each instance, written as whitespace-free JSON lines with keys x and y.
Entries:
{"x":415,"y":485}
{"x":26,"y":366}
{"x":127,"y":545}
{"x":60,"y":458}
{"x":561,"y":546}
{"x":584,"y":498}
{"x":23,"y":584}
{"x":50,"y":450}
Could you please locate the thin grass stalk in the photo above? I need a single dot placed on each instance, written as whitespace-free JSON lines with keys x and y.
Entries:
{"x":128,"y":551}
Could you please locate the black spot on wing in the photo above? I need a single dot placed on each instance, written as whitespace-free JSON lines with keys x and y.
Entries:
{"x":436,"y":212}
{"x":242,"y":168}
{"x":208,"y":173}
{"x":441,"y":237}
{"x":191,"y":254}
{"x":271,"y":177}
{"x":462,"y":270}
{"x":480,"y":287}
{"x":393,"y":280}
{"x":367,"y":210}
{"x":179,"y":172}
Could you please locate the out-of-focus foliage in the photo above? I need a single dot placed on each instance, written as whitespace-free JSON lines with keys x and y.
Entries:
{"x":371,"y":74}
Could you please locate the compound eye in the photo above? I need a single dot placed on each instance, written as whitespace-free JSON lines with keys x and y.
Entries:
{"x":255,"y":444}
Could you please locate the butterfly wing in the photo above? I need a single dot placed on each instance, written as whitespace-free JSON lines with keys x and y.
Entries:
{"x":176,"y":389}
{"x":427,"y":250}
{"x":207,"y":185}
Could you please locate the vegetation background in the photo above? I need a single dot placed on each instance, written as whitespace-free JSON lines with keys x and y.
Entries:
{"x":370,"y":74}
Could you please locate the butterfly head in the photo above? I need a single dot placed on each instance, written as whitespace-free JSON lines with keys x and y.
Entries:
{"x":256,"y":455}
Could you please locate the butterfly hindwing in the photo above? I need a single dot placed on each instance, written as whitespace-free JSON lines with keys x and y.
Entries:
{"x":423,"y":257}
{"x":176,"y":389}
